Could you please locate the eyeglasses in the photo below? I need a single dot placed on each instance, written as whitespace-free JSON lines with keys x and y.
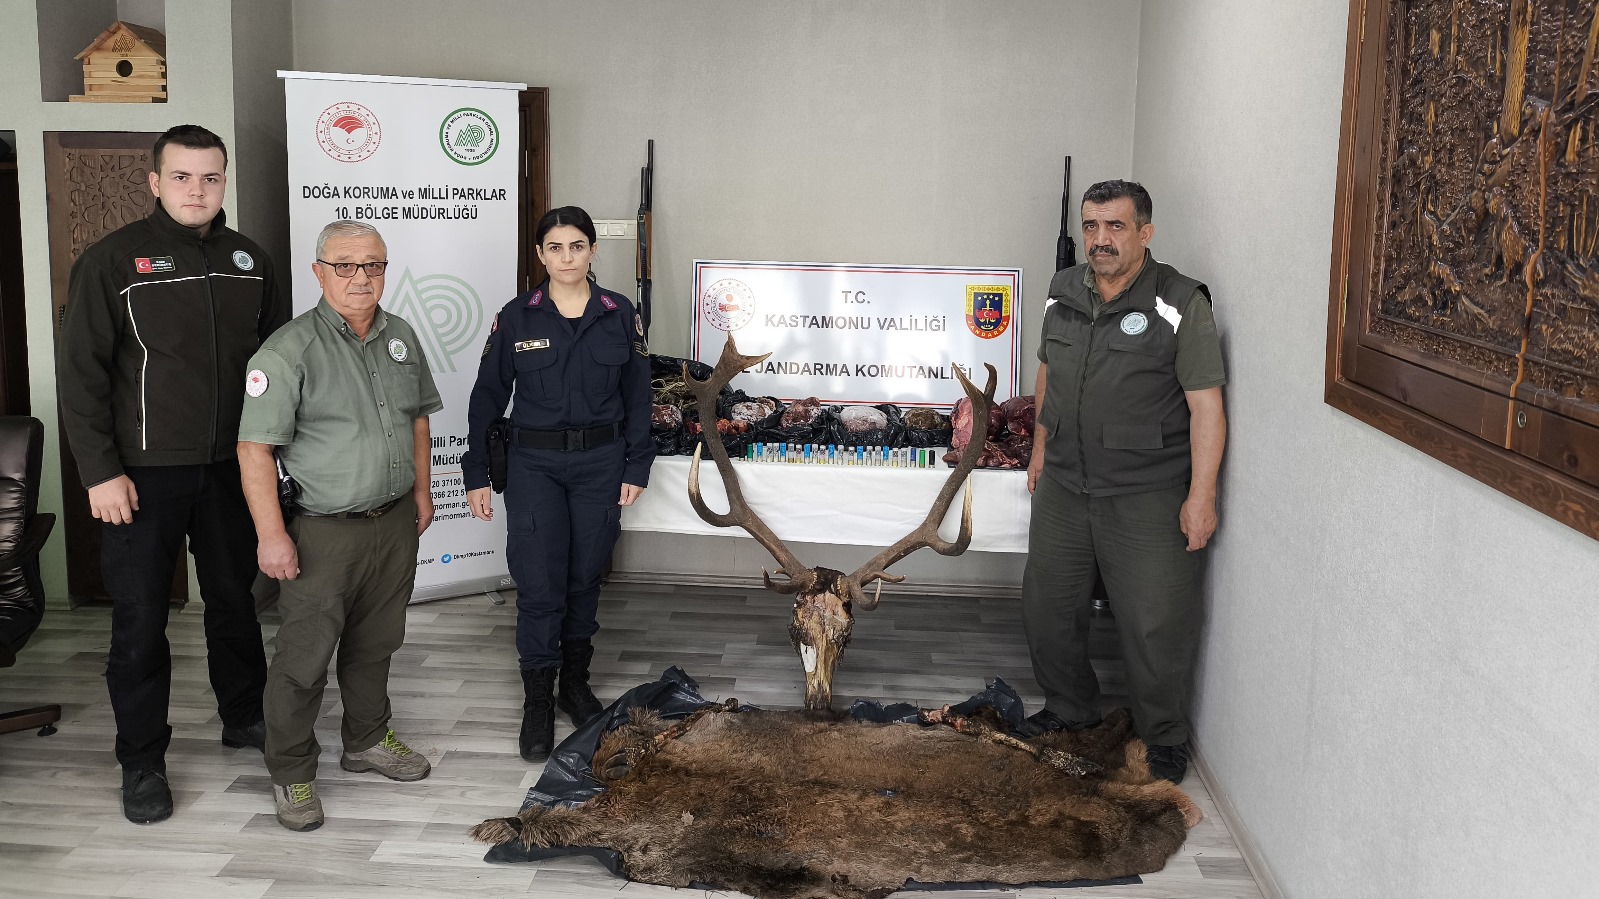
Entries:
{"x":347,"y":269}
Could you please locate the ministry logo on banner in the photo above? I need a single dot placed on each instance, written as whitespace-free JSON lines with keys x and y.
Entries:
{"x":348,"y":132}
{"x":729,"y":304}
{"x":988,"y":309}
{"x":469,"y":136}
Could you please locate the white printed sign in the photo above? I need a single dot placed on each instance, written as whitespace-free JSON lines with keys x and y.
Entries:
{"x":433,"y":166}
{"x":861,"y":333}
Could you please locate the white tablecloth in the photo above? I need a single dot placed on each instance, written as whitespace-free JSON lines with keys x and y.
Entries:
{"x":836,"y":504}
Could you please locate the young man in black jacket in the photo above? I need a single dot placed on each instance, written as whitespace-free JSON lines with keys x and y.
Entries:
{"x":162,"y":317}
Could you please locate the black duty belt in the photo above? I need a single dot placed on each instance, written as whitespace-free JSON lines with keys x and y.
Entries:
{"x":566,"y":441}
{"x":359,"y":515}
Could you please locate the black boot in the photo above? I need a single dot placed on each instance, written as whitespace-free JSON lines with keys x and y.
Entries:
{"x":575,"y":698}
{"x":146,"y":798}
{"x":538,"y":714}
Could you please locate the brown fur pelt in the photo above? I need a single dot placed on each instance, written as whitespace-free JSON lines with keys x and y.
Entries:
{"x":793,"y":805}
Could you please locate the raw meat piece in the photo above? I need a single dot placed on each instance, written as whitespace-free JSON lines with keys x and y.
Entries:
{"x":925,"y":420}
{"x":802,"y":413}
{"x":858,"y":419}
{"x":750,"y":411}
{"x":961,"y":420}
{"x":1021,"y":413}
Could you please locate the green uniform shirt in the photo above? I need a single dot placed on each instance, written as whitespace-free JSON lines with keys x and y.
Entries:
{"x":1198,"y":362}
{"x":1114,"y":412}
{"x":340,"y":409}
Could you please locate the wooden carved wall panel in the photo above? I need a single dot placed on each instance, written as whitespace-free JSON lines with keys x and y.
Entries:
{"x":1488,"y":171}
{"x":109,"y":190}
{"x":1465,"y":306}
{"x":100,"y":191}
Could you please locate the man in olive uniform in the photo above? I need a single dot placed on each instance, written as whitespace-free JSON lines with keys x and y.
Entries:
{"x":162,"y":316}
{"x":341,"y":395}
{"x":1128,"y":444}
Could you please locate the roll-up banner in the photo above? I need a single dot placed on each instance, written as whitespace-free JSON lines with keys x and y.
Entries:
{"x":432,"y":164}
{"x":848,"y":333}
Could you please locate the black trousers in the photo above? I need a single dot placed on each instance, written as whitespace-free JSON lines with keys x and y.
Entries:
{"x":206,"y":504}
{"x":562,"y":521}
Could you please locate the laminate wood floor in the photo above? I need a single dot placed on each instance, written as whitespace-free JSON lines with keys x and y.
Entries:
{"x":457,"y":699}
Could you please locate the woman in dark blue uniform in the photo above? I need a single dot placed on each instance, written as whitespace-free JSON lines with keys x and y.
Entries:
{"x":574,"y":356}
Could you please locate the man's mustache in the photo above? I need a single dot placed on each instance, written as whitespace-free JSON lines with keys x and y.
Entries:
{"x":1103,"y":251}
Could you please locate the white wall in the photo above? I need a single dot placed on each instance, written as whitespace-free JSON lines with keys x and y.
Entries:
{"x":64,"y":30}
{"x":853,"y":132}
{"x":870,"y":132}
{"x":1398,"y":681}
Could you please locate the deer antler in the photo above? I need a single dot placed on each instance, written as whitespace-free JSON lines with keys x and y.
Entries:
{"x":738,"y":511}
{"x":927,"y":534}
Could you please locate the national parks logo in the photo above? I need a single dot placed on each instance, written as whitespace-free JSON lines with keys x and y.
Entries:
{"x":469,"y":136}
{"x":348,"y":132}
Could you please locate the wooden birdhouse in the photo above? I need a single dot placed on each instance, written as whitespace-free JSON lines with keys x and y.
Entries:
{"x":125,"y":64}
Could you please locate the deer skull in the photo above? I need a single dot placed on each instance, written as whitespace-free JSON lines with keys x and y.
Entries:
{"x":824,"y":598}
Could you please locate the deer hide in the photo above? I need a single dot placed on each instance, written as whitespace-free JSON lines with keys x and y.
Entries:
{"x":792,"y":805}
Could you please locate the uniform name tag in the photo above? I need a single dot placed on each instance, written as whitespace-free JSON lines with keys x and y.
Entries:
{"x":522,"y":345}
{"x":153,"y":264}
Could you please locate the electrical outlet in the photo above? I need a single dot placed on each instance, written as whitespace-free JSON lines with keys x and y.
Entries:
{"x":616,"y":229}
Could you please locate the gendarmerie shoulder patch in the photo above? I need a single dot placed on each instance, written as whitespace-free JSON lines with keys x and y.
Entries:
{"x":523,"y":346}
{"x":256,"y":383}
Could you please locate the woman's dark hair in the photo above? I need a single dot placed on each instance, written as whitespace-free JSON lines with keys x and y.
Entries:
{"x":565,"y":215}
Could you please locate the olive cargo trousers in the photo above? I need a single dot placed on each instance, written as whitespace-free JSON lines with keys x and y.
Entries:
{"x":1135,"y":543}
{"x":356,"y":578}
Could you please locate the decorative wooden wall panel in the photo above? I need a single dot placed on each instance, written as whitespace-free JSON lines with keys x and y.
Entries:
{"x":1465,"y":306}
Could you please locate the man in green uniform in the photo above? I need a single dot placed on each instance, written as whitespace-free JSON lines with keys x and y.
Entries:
{"x":1128,"y":444}
{"x":341,"y":396}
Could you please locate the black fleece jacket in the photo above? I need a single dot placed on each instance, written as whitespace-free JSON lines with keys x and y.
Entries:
{"x":160,"y":325}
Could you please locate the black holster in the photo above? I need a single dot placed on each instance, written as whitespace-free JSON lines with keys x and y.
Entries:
{"x":499,"y":439}
{"x":288,"y":488}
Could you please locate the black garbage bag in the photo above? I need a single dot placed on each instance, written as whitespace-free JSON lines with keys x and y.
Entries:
{"x":888,"y":430}
{"x":812,"y":425}
{"x":736,"y":405}
{"x":668,"y":443}
{"x":936,"y":436}
{"x":670,"y":366}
